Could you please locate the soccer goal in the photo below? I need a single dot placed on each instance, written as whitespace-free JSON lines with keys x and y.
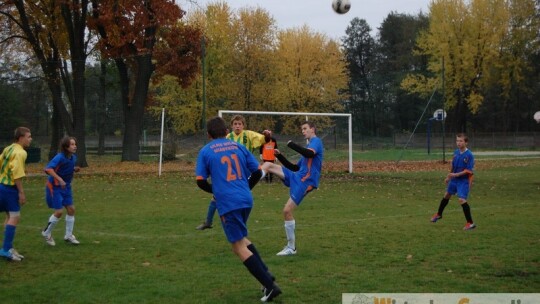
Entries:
{"x":307,"y":114}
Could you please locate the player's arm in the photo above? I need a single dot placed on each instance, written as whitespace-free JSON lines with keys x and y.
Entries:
{"x":254,"y":178}
{"x":286,"y":163}
{"x":22,"y":196}
{"x":308,"y":153}
{"x":204,"y":185}
{"x":51,"y":172}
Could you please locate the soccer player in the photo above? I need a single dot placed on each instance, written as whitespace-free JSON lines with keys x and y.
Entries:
{"x":58,"y":193}
{"x":249,"y":139}
{"x":229,"y":164}
{"x":459,"y":180}
{"x":267,"y":152}
{"x":301,"y":178}
{"x":12,"y":197}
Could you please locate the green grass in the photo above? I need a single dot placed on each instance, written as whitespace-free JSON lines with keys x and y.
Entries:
{"x":365,"y":232}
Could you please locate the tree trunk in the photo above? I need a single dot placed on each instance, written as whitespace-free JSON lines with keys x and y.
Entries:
{"x":101,"y":108}
{"x":57,"y":133}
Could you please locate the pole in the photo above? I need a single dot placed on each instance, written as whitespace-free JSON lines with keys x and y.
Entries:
{"x":443,"y":116}
{"x":161,"y":140}
{"x":203,"y":59}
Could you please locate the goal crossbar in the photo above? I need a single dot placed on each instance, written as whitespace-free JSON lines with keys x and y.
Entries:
{"x":349,"y":116}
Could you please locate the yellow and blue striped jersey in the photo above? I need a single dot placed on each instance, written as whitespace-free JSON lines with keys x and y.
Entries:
{"x":12,"y":162}
{"x":249,"y":139}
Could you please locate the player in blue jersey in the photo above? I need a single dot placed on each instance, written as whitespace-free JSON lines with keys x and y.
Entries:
{"x":459,"y":180}
{"x":233,"y":171}
{"x":12,"y":197}
{"x":58,"y":193}
{"x":249,"y":139}
{"x":301,"y":178}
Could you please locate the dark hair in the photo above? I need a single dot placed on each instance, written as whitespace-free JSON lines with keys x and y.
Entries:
{"x":216,"y":127}
{"x":65,"y":142}
{"x":20,"y":132}
{"x":311,"y":124}
{"x":464,"y":136}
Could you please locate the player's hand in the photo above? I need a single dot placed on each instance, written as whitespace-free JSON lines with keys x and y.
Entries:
{"x":260,"y":156}
{"x":77,"y":169}
{"x":277,"y":152}
{"x":22,"y":198}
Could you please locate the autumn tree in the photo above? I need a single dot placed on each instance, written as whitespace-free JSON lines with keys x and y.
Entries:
{"x":309,"y":74}
{"x":143,"y":36}
{"x":55,"y":32}
{"x":467,"y":35}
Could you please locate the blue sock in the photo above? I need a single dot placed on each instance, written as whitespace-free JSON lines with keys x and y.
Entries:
{"x":9,"y":235}
{"x":211,"y":210}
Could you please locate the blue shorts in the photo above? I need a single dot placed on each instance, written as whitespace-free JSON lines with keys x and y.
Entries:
{"x":57,"y":197}
{"x":297,"y":188}
{"x":234,"y":224}
{"x":9,"y":199}
{"x":459,"y":186}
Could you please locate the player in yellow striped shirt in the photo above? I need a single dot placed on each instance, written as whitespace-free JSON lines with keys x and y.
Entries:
{"x":12,"y":197}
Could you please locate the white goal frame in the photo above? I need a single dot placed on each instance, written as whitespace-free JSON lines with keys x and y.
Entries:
{"x":307,"y":114}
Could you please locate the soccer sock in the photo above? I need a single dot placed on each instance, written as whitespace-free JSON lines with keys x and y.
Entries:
{"x":211,"y":210}
{"x":50,"y":225}
{"x":252,"y":248}
{"x":256,"y":269}
{"x":9,"y":235}
{"x":467,"y":212}
{"x":70,"y":221}
{"x":290,"y":226}
{"x":443,"y":204}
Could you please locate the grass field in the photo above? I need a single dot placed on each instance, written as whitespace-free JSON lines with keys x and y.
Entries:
{"x":362,"y":232}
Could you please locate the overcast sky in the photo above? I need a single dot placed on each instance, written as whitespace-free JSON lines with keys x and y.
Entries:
{"x":319,"y":16}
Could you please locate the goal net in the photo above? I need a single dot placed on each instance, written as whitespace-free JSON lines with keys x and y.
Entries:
{"x":288,"y":123}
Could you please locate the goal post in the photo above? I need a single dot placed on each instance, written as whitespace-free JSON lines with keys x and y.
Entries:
{"x":307,"y":114}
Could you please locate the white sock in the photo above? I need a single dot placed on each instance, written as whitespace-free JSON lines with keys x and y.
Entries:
{"x":290,"y":226}
{"x":53,"y":220}
{"x":70,"y":221}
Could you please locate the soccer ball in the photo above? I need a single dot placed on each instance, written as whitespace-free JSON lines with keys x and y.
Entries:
{"x":341,"y":6}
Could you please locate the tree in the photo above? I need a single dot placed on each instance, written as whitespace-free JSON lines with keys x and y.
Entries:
{"x":130,"y":32}
{"x":309,"y":75}
{"x":360,"y":52}
{"x":467,"y":36}
{"x":55,"y":31}
{"x":395,"y":49}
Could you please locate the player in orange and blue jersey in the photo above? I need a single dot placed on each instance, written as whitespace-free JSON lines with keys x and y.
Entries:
{"x":459,"y":181}
{"x":233,"y":171}
{"x":301,"y":178}
{"x":249,"y":139}
{"x":58,"y":193}
{"x":12,"y":196}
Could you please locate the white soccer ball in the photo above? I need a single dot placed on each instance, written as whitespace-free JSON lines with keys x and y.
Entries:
{"x":341,"y":6}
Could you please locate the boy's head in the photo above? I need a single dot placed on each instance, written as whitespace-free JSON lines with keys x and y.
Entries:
{"x":463,"y":136}
{"x":68,"y":145}
{"x":23,"y":136}
{"x":461,"y":141}
{"x":238,"y":123}
{"x":216,"y":127}
{"x":308,"y":129}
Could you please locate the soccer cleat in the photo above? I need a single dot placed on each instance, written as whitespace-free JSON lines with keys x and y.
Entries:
{"x":263,"y":289}
{"x":9,"y":255}
{"x":469,"y":226}
{"x":436,"y":217}
{"x":269,"y":295}
{"x":48,"y":239}
{"x":14,"y":252}
{"x":287,"y":251}
{"x":204,"y":225}
{"x":71,"y":239}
